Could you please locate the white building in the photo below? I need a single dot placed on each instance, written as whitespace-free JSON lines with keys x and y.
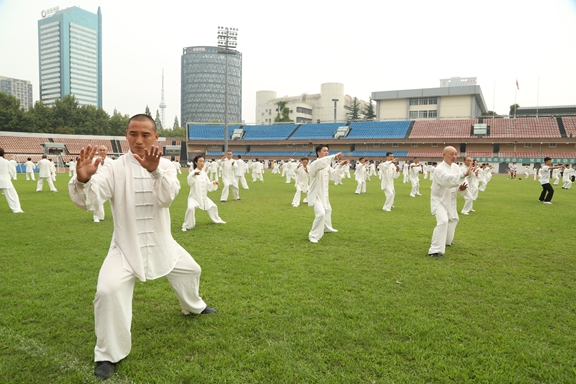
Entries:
{"x":330,"y":105}
{"x":20,"y":89}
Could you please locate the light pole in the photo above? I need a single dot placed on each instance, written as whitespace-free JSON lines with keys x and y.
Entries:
{"x":335,"y":102}
{"x":227,"y":45}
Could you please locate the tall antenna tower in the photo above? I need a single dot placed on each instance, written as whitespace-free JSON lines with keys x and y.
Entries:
{"x":162,"y":103}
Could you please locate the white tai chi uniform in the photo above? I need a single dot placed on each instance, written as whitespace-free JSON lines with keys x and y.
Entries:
{"x":566,"y":182}
{"x":415,"y":170}
{"x":240,"y":172}
{"x":447,"y":179}
{"x":177,"y":166}
{"x":53,"y":171}
{"x":45,"y":166}
{"x":14,"y":165}
{"x":228,"y":169}
{"x":212,"y":170}
{"x":360,"y":175}
{"x":320,"y":174}
{"x":200,"y":185}
{"x":302,"y":180}
{"x":467,"y":194}
{"x":30,"y":167}
{"x":389,"y":173}
{"x":258,"y":171}
{"x":142,"y":247}
{"x":72,"y":168}
{"x":99,"y":213}
{"x":406,"y":172}
{"x":6,"y":187}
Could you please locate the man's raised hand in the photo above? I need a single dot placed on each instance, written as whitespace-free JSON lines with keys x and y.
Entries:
{"x":151,"y":158}
{"x":85,"y":168}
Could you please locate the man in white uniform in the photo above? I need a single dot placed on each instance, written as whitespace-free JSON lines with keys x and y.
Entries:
{"x":6,"y":187}
{"x":52,"y":170}
{"x":213,"y":170}
{"x":406,"y":172}
{"x":45,"y":167}
{"x":320,"y":174}
{"x":177,"y":166}
{"x":258,"y":171}
{"x":415,"y":170}
{"x":240,"y":172}
{"x":72,"y":168}
{"x":390,"y":171}
{"x":140,"y":185}
{"x":14,"y":165}
{"x":228,"y":168}
{"x":30,"y":167}
{"x":360,"y":174}
{"x":467,"y":193}
{"x":302,"y":180}
{"x":448,"y":178}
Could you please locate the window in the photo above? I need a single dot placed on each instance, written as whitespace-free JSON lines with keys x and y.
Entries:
{"x":376,"y":144}
{"x":413,"y":114}
{"x":528,"y":145}
{"x":433,"y":100}
{"x":432,"y":114}
{"x":423,"y":114}
{"x":395,"y":145}
{"x":423,"y":102}
{"x":434,"y":144}
{"x":414,"y":144}
{"x":413,"y":101}
{"x":552,"y":145}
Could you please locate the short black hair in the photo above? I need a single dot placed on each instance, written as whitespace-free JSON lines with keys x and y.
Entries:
{"x":389,"y":153}
{"x":142,"y":117}
{"x":196,"y":160}
{"x":319,"y":148}
{"x":547,"y":158}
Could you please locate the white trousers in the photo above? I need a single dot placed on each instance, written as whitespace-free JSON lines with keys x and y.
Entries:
{"x":241,"y":180}
{"x":415,"y":187}
{"x":444,"y":232}
{"x":190,"y":217}
{"x":468,"y":201}
{"x":30,"y":176}
{"x":40,"y":184}
{"x":12,"y":199}
{"x":296,"y":199}
{"x":113,"y":302}
{"x":390,"y":194}
{"x":99,"y":212}
{"x":361,"y":188}
{"x":226,"y":189}
{"x":322,"y":221}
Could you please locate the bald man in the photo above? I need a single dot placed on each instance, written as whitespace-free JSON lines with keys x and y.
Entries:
{"x":448,"y":179}
{"x":99,"y":211}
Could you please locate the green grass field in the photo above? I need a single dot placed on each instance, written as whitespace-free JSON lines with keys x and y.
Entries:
{"x":365,"y":305}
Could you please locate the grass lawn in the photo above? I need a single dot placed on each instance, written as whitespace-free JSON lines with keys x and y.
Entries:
{"x":365,"y":305}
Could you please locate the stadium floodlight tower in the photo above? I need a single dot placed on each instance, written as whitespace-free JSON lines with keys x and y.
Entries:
{"x":162,"y":103}
{"x":335,"y":103}
{"x":227,"y":41}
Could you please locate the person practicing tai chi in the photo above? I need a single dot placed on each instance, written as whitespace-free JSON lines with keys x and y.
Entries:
{"x":547,"y":189}
{"x":228,"y":167}
{"x":320,"y":175}
{"x":390,"y":171}
{"x":6,"y":186}
{"x":361,"y":174}
{"x":141,"y":186}
{"x":448,"y":178}
{"x":301,"y":181}
{"x":200,"y":185}
{"x":30,"y":167}
{"x":44,"y":167}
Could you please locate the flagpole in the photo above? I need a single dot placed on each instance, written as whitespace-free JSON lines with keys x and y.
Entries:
{"x":493,"y":101}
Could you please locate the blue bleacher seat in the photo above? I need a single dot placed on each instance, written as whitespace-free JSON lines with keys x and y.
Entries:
{"x":316,"y":131}
{"x":378,"y":129}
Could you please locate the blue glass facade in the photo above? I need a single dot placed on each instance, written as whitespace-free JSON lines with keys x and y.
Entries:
{"x":70,"y":56}
{"x":203,"y":86}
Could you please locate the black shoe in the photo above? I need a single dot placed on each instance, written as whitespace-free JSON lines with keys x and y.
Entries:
{"x":208,"y":310}
{"x":435,"y":255}
{"x":104,"y":369}
{"x":451,"y":244}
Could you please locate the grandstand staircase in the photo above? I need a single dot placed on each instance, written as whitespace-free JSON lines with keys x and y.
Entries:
{"x":116,"y":148}
{"x":294,"y":131}
{"x":409,"y":131}
{"x":561,"y":127}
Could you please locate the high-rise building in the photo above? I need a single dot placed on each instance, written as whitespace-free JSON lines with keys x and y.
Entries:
{"x":203,"y":84}
{"x":70,"y":56}
{"x":20,"y":89}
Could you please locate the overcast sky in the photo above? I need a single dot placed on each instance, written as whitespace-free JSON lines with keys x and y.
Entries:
{"x":293,"y":47}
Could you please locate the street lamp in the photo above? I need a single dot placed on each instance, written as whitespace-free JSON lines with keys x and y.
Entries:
{"x":227,"y":40}
{"x":335,"y":102}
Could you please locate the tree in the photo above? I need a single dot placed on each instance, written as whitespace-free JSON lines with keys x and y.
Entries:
{"x":158,"y":121}
{"x":117,"y":124}
{"x":283,"y":115}
{"x":10,"y":113}
{"x":513,"y":109}
{"x":147,"y":111}
{"x":355,"y":110}
{"x":176,"y":123}
{"x":490,"y":114}
{"x":369,"y":113}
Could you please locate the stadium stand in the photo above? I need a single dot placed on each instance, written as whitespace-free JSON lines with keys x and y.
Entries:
{"x":209,"y":131}
{"x":219,"y":154}
{"x":274,"y":154}
{"x":569,"y":125}
{"x":379,"y":129}
{"x":524,"y":127}
{"x":377,"y":153}
{"x":24,"y":144}
{"x":427,"y":154}
{"x":442,"y":128}
{"x":268,"y":132}
{"x":475,"y":154}
{"x":316,"y":131}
